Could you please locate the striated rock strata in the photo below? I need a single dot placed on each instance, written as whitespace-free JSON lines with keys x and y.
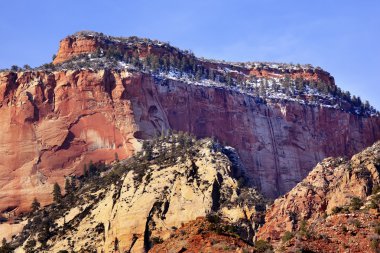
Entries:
{"x":335,"y":208}
{"x":54,"y":122}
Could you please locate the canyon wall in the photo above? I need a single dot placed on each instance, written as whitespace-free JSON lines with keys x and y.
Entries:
{"x":278,"y":142}
{"x":55,"y":122}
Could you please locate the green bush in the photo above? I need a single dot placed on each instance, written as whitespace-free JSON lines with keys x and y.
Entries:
{"x":213,"y":218}
{"x":287,"y":236}
{"x":262,"y":246}
{"x":356,"y":203}
{"x":377,"y":228}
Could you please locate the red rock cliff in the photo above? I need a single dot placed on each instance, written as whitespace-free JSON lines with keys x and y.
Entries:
{"x":87,"y":43}
{"x":53,"y":123}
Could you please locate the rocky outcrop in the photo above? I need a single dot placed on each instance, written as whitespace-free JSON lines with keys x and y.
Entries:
{"x":339,"y":199}
{"x":202,"y":236}
{"x":87,"y":42}
{"x":54,"y":123}
{"x":137,"y":204}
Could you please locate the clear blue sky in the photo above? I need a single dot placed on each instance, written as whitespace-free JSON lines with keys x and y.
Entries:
{"x":341,"y":36}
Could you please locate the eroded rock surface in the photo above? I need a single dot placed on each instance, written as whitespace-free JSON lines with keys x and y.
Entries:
{"x":133,"y":206}
{"x":54,"y":122}
{"x":335,"y":208}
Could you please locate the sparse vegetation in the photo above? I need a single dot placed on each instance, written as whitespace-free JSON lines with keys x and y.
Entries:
{"x":356,"y":203}
{"x":35,"y":205}
{"x":183,"y":64}
{"x":262,"y":246}
{"x":57,"y":195}
{"x":287,"y":236}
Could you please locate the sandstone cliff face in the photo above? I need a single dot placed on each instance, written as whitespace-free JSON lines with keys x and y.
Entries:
{"x":278,"y":142}
{"x":55,"y":122}
{"x":333,"y":186}
{"x":143,"y":207}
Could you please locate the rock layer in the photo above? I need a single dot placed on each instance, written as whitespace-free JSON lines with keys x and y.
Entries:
{"x":141,"y":208}
{"x":333,"y":186}
{"x":84,"y":43}
{"x":54,"y":123}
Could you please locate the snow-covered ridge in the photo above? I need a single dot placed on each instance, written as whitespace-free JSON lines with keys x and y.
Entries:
{"x":134,"y":40}
{"x":264,"y":89}
{"x":272,"y":90}
{"x":268,"y":81}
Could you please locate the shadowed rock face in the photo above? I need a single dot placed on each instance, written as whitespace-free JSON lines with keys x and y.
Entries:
{"x":53,"y":123}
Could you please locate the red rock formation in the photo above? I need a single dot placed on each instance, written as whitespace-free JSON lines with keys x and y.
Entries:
{"x":330,"y":188}
{"x":53,"y":123}
{"x":201,"y":236}
{"x":83,"y":43}
{"x":73,"y":46}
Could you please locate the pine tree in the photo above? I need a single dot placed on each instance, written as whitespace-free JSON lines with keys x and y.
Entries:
{"x":91,"y":169}
{"x":147,"y":147}
{"x":211,"y":74}
{"x":229,"y":80}
{"x":85,"y":170}
{"x":173,"y":151}
{"x":73,"y":184}
{"x":116,"y":245}
{"x":183,"y":64}
{"x":68,"y":189}
{"x":286,"y":82}
{"x":57,"y":195}
{"x":155,"y":63}
{"x":35,"y":205}
{"x":5,"y":246}
{"x":198,"y":74}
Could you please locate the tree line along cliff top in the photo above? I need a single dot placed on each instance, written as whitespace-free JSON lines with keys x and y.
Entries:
{"x":268,"y":81}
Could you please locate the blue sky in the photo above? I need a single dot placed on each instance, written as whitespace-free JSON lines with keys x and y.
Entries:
{"x":341,"y":36}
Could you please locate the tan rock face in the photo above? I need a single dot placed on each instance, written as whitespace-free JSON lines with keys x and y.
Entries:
{"x":332,"y":183}
{"x":53,"y":123}
{"x":134,"y":211}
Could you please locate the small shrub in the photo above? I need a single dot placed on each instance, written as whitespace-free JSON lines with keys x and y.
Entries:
{"x":376,"y":189}
{"x":157,"y":240}
{"x":213,"y":218}
{"x":357,"y":223}
{"x":303,"y":230}
{"x":287,"y":236}
{"x":377,"y":228}
{"x":375,"y":245}
{"x":356,"y":203}
{"x":262,"y":246}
